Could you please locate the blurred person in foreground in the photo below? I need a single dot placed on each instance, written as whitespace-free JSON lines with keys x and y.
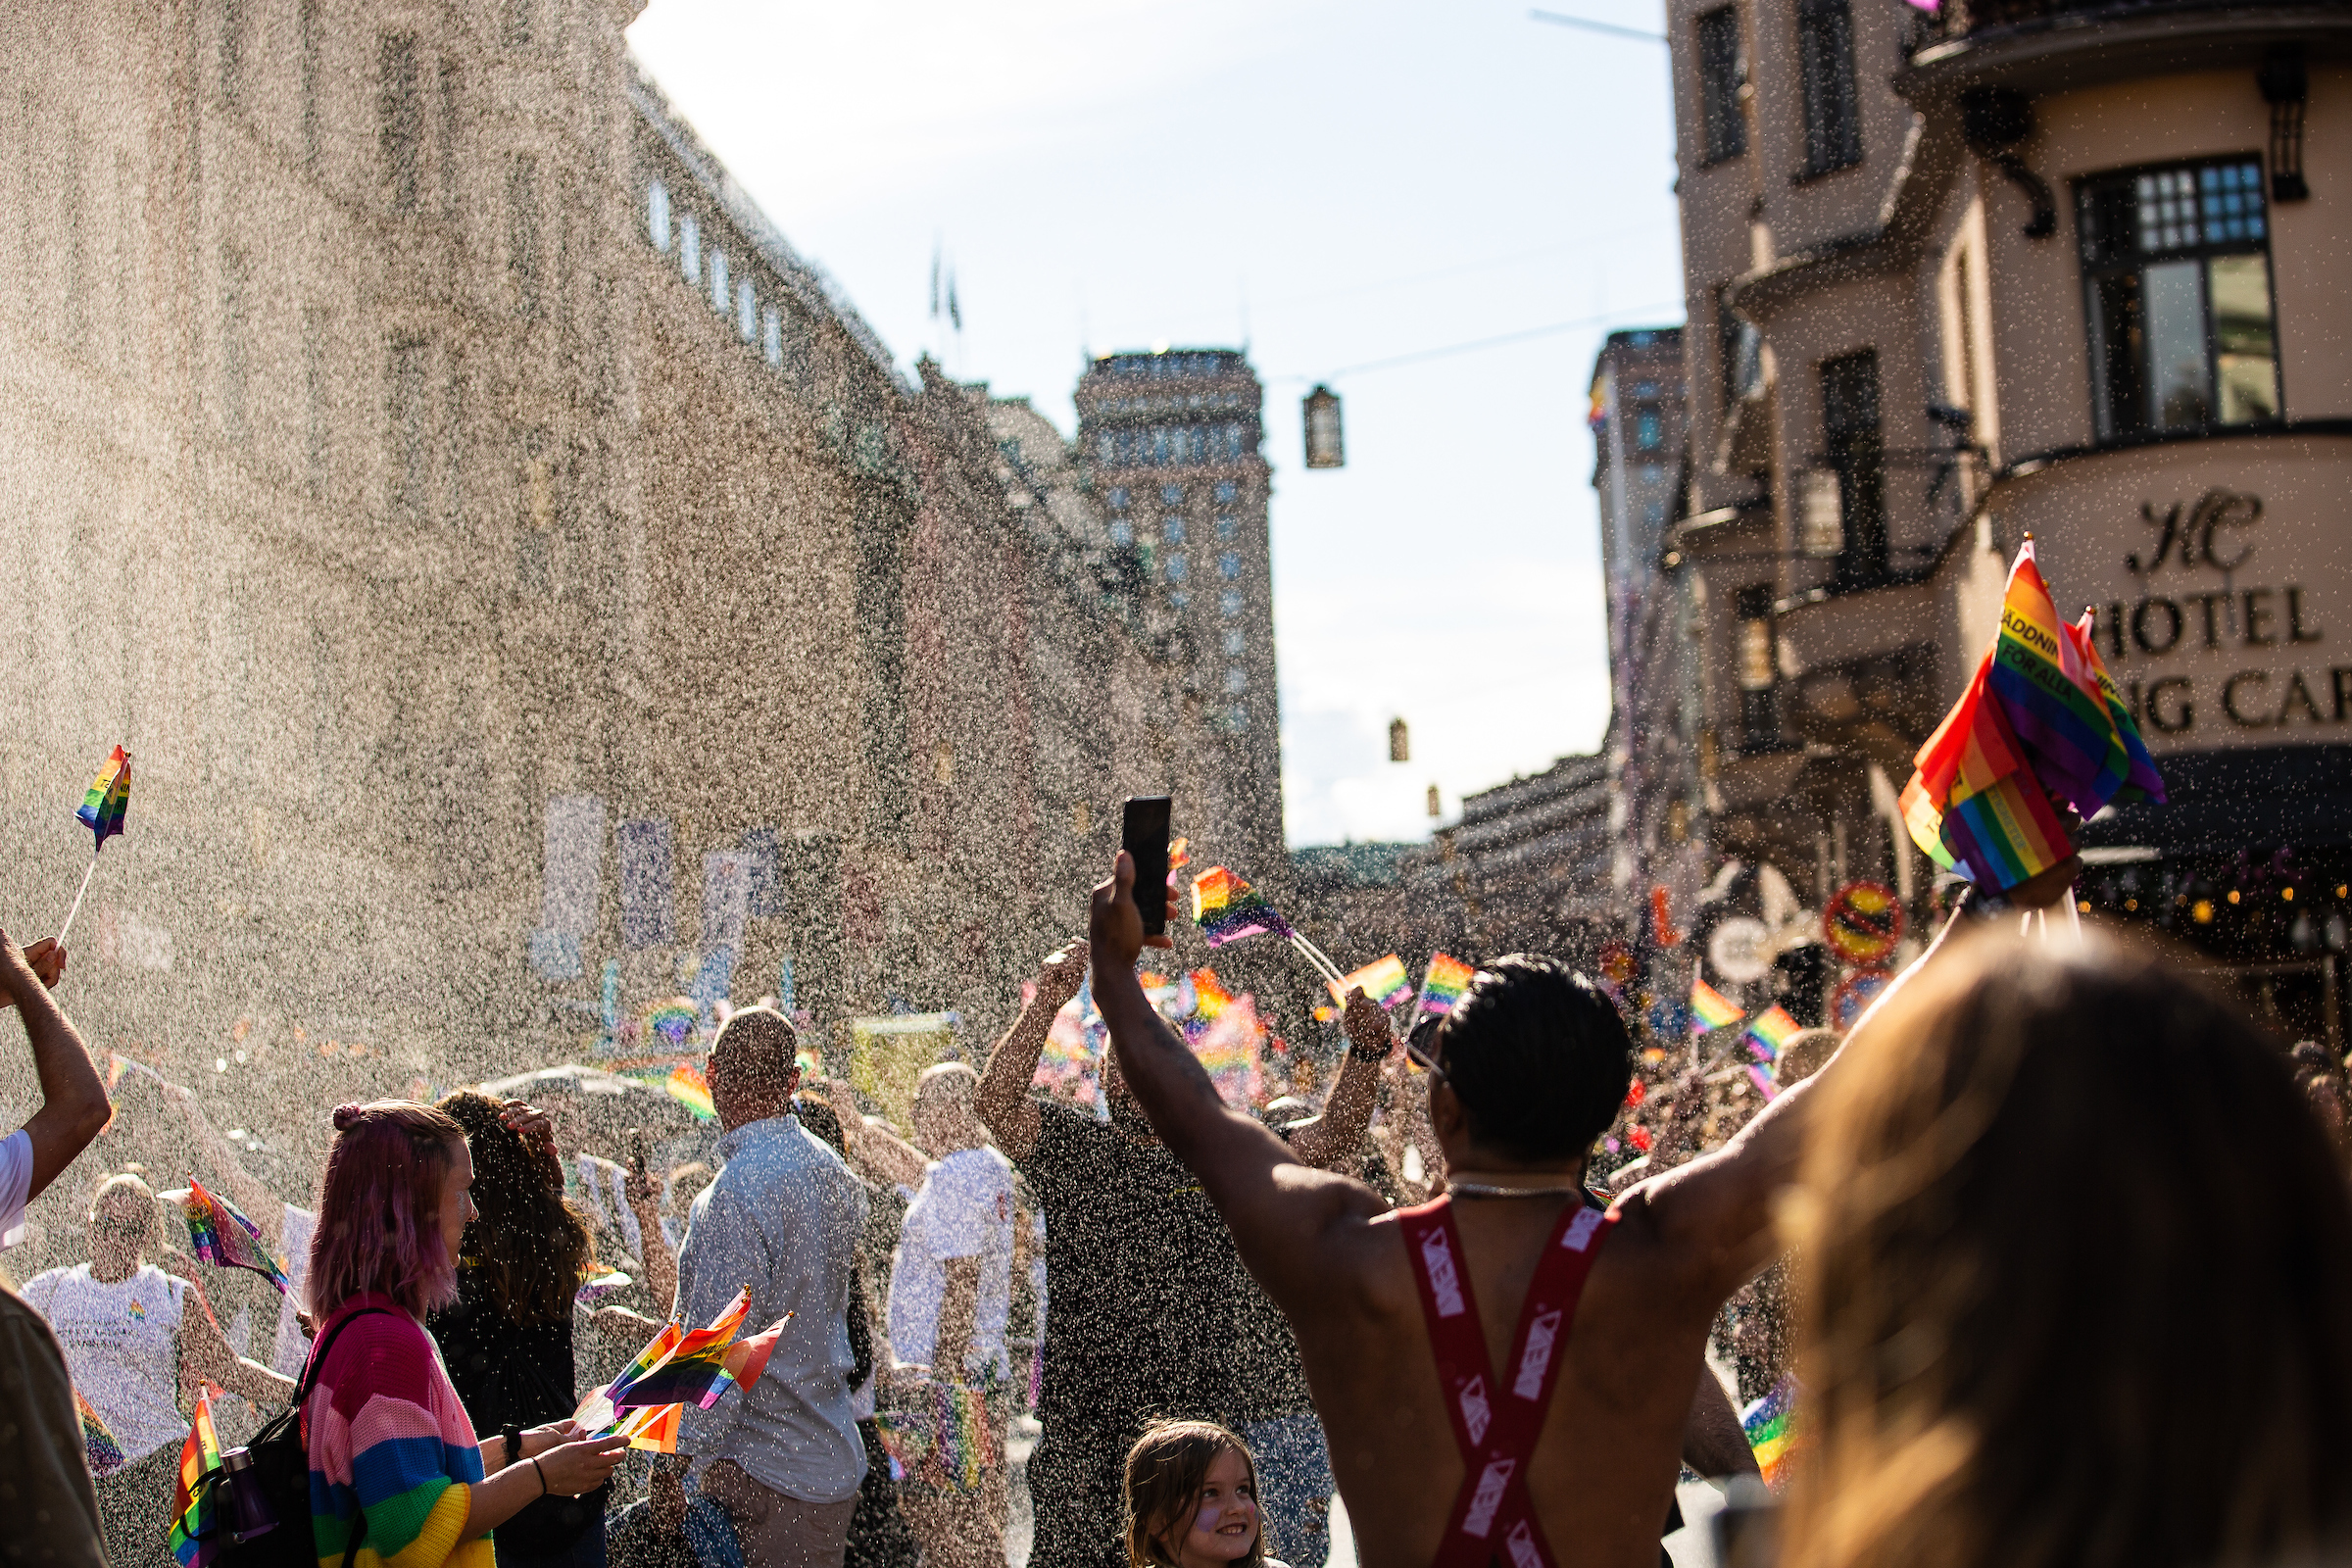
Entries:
{"x":507,"y":1341}
{"x":2146,"y":1366}
{"x":398,"y":1475}
{"x":783,"y":1458}
{"x":1148,"y":1314}
{"x":1570,"y":1452}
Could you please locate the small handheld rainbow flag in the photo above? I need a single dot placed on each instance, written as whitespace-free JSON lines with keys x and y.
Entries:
{"x":105,"y":1454}
{"x":944,"y":1442}
{"x":222,"y":1236}
{"x":679,"y":1367}
{"x":1384,"y":980}
{"x":1763,"y":1081}
{"x":107,"y":798}
{"x":689,"y":1087}
{"x":1710,"y":1008}
{"x":1771,"y":1430}
{"x":1443,"y":986}
{"x":196,"y":1537}
{"x":1769,"y":1031}
{"x":1227,"y":908}
{"x":653,"y":1428}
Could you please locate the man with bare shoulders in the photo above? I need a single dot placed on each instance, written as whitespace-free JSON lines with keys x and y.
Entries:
{"x":1506,"y":1373}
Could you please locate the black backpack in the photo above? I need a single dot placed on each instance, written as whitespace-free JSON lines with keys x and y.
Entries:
{"x":282,"y":1469}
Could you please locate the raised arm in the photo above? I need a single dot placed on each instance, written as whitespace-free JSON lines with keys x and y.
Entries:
{"x":1003,"y":1100}
{"x":204,"y":1352}
{"x":74,"y":1105}
{"x":257,"y":1202}
{"x":1283,"y":1215}
{"x":1331,"y":1140}
{"x":880,"y":1155}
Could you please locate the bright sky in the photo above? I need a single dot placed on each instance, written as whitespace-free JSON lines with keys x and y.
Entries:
{"x":1336,"y":183}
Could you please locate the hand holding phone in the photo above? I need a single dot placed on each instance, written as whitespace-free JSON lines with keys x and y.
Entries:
{"x":1143,"y":835}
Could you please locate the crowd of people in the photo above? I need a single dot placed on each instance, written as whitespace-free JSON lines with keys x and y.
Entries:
{"x":2056,"y":1247}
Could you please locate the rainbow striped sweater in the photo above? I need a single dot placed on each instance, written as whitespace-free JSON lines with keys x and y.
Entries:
{"x":388,"y":1440}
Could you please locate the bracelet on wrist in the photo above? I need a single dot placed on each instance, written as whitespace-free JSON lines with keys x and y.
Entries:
{"x":542,"y":1477}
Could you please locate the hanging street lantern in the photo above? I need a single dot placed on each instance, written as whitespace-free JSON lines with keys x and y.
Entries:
{"x":1401,"y":742}
{"x":1323,"y":446}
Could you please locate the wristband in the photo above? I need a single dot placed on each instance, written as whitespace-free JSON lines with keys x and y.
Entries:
{"x":542,"y":1478}
{"x":512,"y":1434}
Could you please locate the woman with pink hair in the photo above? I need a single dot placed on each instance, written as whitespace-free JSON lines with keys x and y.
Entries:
{"x":396,"y":1476}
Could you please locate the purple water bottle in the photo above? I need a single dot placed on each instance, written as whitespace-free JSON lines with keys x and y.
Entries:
{"x":249,"y":1514}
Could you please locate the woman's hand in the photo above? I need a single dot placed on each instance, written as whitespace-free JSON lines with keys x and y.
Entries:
{"x":528,"y":1122}
{"x":571,"y":1468}
{"x":540,"y":1438}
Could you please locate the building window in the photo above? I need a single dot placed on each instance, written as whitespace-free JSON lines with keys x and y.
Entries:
{"x":1229,"y":565}
{"x":1849,"y":420}
{"x":2177,"y":268}
{"x":747,"y":310}
{"x":1180,"y":602}
{"x":1235,"y":681}
{"x":719,"y":280}
{"x":690,"y":248}
{"x":1121,"y":532}
{"x":1172,"y":530}
{"x":1228,"y":528}
{"x":1759,"y":671}
{"x":1237,"y":717}
{"x":1234,"y":643}
{"x":400,"y":119}
{"x":1171,"y":495}
{"x":1741,"y":347}
{"x":1119,"y":498}
{"x":1227,"y":490}
{"x":1229,"y":602}
{"x":771,"y":335}
{"x":656,"y":216}
{"x":1178,"y":568}
{"x":1720,"y":75}
{"x":1825,"y":48}
{"x":1649,"y":429}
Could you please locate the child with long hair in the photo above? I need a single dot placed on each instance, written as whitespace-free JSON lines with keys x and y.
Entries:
{"x":396,"y":1469}
{"x":1192,"y":1500}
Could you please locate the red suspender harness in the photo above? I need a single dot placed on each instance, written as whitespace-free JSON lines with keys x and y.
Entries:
{"x":1496,"y":1428}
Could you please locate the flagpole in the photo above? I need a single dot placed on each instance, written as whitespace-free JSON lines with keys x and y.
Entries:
{"x":60,"y":939}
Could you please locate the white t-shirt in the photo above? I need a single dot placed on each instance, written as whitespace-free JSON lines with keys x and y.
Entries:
{"x":965,"y":1211}
{"x":16,"y":1180}
{"x":122,"y":1345}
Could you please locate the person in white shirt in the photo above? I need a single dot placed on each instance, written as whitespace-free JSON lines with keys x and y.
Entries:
{"x":132,"y":1334}
{"x":74,"y":1105}
{"x":285,"y":1230}
{"x":950,"y":1293}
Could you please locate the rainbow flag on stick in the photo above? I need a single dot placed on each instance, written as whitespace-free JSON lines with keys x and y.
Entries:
{"x":107,"y":798}
{"x":196,"y":1535}
{"x":1384,"y":980}
{"x":1770,"y":1031}
{"x":225,"y":1238}
{"x":105,"y":1454}
{"x":653,"y":1428}
{"x":1710,"y":1008}
{"x":1770,"y":1427}
{"x":1227,"y":908}
{"x":689,"y":1087}
{"x":680,"y":1367}
{"x":1443,"y":984}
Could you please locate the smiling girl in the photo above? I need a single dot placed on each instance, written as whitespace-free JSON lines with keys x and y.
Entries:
{"x":1192,"y":1500}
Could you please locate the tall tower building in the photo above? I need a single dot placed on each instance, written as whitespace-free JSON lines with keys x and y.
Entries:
{"x":1171,"y":439}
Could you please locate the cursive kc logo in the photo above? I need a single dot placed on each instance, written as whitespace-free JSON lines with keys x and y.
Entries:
{"x":1477,"y":1413}
{"x":2190,"y":541}
{"x":1539,"y":1337}
{"x":1484,"y":1502}
{"x":1445,"y":1284}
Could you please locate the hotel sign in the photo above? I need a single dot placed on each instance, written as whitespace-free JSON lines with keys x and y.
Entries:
{"x":2210,"y":645}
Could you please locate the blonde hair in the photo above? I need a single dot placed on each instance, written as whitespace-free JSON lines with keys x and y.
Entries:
{"x":1165,"y":1471}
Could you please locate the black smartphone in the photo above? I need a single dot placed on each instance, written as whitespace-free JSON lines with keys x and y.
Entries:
{"x":1143,"y":835}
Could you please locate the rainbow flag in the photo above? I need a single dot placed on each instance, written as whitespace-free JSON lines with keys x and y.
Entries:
{"x":1227,"y":908}
{"x":1180,"y":854}
{"x":107,"y":798}
{"x":689,"y":1087}
{"x":1443,"y":983}
{"x":1229,"y":1048}
{"x":1974,"y":804}
{"x":1210,"y":999}
{"x":196,"y":1537}
{"x":944,"y":1441}
{"x":1710,"y":1008}
{"x":2057,"y":705}
{"x":105,"y":1454}
{"x":1762,"y":1080}
{"x":226,"y":1239}
{"x":1771,"y":1429}
{"x":653,"y":1428}
{"x":1770,"y":1031}
{"x":2140,"y":780}
{"x":680,"y":1367}
{"x":672,"y":1022}
{"x":1384,"y":980}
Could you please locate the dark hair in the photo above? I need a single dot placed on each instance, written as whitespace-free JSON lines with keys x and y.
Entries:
{"x":1537,"y":1057}
{"x":379,"y":1208}
{"x":1165,"y":1471}
{"x":530,"y":1251}
{"x":754,"y":1054}
{"x":2143,"y":1361}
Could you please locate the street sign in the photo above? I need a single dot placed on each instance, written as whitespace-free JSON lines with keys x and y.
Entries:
{"x":1740,"y":949}
{"x":1854,"y":996}
{"x":1863,"y":923}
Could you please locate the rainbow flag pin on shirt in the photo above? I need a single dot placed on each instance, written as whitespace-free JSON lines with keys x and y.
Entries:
{"x":1710,"y":1008}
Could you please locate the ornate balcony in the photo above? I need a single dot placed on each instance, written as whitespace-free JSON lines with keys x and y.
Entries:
{"x":2042,"y":45}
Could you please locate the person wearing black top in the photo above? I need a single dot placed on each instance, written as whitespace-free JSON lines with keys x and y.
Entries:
{"x":508,"y":1341}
